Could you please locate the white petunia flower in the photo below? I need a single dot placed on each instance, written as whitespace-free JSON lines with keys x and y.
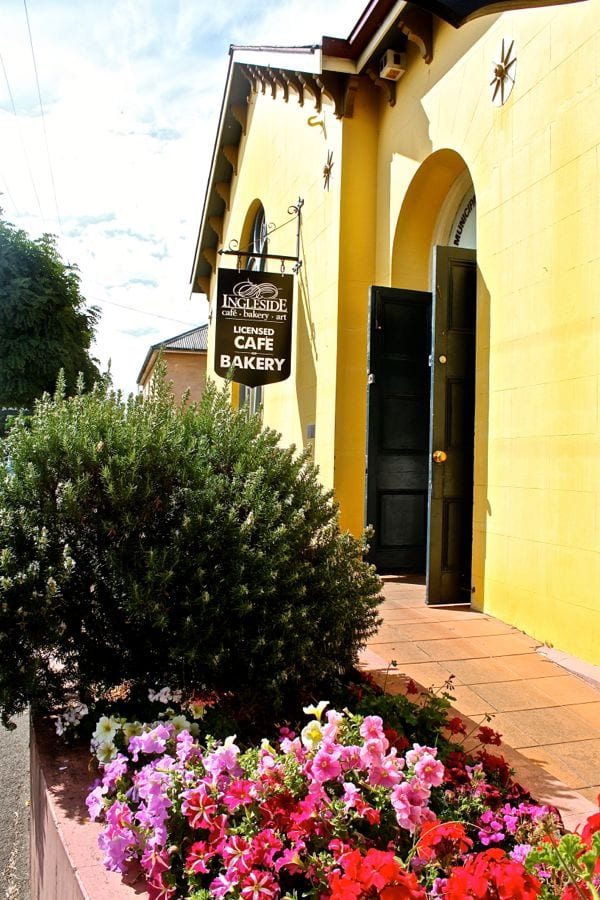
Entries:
{"x":316,"y":711}
{"x":106,"y":729}
{"x":105,"y":751}
{"x":312,"y":735}
{"x":130,"y":729}
{"x":180,"y":723}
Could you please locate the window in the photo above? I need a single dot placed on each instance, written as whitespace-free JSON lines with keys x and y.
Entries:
{"x":258,"y":242}
{"x":252,"y":397}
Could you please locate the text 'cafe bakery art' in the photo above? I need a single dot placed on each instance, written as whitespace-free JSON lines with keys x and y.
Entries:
{"x":253,"y":327}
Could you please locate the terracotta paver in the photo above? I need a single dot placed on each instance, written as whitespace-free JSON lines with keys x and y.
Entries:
{"x":547,"y":713}
{"x":401,"y":651}
{"x":550,"y":725}
{"x":591,"y":794}
{"x":487,"y":671}
{"x":566,"y":689}
{"x":452,"y":648}
{"x":530,"y":665}
{"x":512,"y":695}
{"x":469,"y":702}
{"x":588,"y":711}
{"x":426,"y":674}
{"x":415,"y":631}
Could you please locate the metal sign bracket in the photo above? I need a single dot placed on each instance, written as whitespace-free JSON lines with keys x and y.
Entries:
{"x":296,"y":213}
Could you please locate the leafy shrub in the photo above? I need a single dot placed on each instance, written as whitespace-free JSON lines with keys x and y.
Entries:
{"x":7,"y":415}
{"x":143,"y":543}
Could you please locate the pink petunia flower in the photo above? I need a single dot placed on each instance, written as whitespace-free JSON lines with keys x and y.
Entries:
{"x":371,"y":729}
{"x":199,"y":807}
{"x":430,"y":770}
{"x":326,"y":764}
{"x":259,"y":886}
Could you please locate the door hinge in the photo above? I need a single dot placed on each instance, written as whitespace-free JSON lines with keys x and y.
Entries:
{"x":371,"y":378}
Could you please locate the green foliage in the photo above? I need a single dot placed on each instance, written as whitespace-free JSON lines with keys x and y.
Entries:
{"x":43,"y":324}
{"x":7,"y":416}
{"x":148,"y":544}
{"x":419,"y":722}
{"x":570,"y":860}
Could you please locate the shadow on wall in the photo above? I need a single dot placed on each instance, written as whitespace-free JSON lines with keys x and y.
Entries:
{"x":306,"y":356}
{"x":481,"y":506}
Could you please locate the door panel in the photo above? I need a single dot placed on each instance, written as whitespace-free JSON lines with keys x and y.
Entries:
{"x":452,"y":426}
{"x":398,"y":427}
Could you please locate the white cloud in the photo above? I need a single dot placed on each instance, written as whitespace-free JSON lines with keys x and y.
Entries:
{"x":131,"y":91}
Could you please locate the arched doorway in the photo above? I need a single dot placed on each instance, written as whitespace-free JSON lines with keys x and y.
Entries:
{"x":420,"y":435}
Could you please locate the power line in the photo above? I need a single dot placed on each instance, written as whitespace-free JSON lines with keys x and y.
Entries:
{"x":8,"y":193}
{"x":37,"y":81}
{"x":142,"y":312}
{"x":14,"y":109}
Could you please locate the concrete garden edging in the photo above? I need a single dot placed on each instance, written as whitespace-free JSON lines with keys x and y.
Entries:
{"x":66,"y":862}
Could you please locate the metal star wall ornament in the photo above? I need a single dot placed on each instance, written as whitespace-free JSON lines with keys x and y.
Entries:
{"x":327,"y":170}
{"x":503,"y":73}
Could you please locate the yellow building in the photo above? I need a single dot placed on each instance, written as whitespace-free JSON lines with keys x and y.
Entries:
{"x":446,"y":335}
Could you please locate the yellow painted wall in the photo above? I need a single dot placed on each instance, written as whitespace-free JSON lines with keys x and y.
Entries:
{"x":281,"y":159}
{"x":535,"y":165}
{"x":356,"y":274}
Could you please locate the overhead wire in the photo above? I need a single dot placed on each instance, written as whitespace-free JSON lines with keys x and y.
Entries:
{"x":39,"y":93}
{"x":142,"y":312}
{"x":6,"y":191}
{"x":23,"y":148}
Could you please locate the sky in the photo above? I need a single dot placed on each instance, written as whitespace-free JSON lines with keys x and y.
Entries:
{"x":108,"y":117}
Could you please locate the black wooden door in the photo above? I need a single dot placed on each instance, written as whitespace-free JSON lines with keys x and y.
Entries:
{"x":398,"y":427}
{"x":452,"y":427}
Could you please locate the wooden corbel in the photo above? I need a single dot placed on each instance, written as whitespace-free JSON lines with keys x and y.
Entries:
{"x":333,"y":84}
{"x":223,"y":189}
{"x":417,"y":25}
{"x":216,"y":223}
{"x":210,"y":255}
{"x":204,"y":285}
{"x":385,"y":84}
{"x":231,"y":153}
{"x":240,"y":114}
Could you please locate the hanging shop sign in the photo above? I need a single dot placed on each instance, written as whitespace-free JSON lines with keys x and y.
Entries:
{"x":253,"y":326}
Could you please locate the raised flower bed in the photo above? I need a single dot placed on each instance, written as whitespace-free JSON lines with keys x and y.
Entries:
{"x":346,"y":808}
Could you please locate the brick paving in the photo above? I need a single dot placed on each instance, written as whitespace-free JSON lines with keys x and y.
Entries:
{"x":548,"y":714}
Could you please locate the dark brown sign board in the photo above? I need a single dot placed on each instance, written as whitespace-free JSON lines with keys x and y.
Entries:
{"x":253,"y":326}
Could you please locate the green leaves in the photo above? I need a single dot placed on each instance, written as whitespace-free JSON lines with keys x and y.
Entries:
{"x":170,"y":545}
{"x":44,"y":326}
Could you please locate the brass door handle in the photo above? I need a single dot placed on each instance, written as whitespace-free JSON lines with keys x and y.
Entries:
{"x":439,"y":456}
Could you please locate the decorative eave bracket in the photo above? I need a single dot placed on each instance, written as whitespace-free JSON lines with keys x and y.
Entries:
{"x":336,"y":86}
{"x":417,"y":25}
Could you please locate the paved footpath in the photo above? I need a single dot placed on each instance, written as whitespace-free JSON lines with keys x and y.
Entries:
{"x":546,"y":705}
{"x":14,"y":811}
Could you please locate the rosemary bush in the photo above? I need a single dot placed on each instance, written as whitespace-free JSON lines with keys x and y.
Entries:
{"x":142,"y":543}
